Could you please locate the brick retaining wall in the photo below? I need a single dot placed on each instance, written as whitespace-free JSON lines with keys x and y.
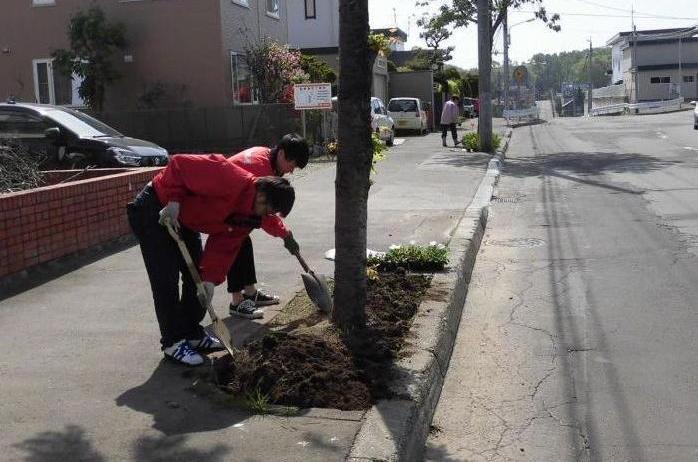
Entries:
{"x":42,"y":224}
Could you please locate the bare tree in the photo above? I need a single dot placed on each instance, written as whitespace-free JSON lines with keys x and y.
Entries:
{"x":353,"y":164}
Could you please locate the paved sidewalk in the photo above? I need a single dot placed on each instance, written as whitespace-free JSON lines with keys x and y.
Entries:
{"x":82,"y":377}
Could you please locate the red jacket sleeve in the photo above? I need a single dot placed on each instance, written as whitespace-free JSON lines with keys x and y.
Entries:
{"x":202,"y":175}
{"x":218,"y":256}
{"x":275,"y":226}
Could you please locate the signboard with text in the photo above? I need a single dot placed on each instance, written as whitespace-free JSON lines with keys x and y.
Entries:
{"x":312,"y":96}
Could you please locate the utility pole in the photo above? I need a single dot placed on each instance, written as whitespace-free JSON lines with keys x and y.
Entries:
{"x":634,"y":67}
{"x":484,"y":55}
{"x":591,"y":86}
{"x":505,"y":25}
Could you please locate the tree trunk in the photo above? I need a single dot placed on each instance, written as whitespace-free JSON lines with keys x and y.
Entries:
{"x":484,"y":20}
{"x":353,"y":164}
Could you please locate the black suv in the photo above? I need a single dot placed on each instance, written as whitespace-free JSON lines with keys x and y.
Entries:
{"x":66,"y":138}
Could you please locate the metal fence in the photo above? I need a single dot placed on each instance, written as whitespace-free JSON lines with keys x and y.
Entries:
{"x":217,"y":129}
{"x":639,"y":108}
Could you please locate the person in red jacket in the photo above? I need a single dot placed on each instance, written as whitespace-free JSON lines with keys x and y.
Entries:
{"x":198,"y":194}
{"x":290,"y":153}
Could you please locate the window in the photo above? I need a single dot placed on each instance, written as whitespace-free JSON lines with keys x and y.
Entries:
{"x":43,"y":2}
{"x":54,"y":87}
{"x":243,"y":90}
{"x":688,"y":79}
{"x":310,"y":9}
{"x":273,"y":8}
{"x":18,"y":125}
{"x":660,"y":79}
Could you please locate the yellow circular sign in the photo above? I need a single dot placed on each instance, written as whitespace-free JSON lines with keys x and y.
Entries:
{"x":520,"y":73}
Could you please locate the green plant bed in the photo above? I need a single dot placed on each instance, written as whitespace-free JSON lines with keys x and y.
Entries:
{"x":412,"y":257}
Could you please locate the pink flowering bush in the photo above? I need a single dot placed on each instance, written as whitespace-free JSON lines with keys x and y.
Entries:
{"x":274,"y":68}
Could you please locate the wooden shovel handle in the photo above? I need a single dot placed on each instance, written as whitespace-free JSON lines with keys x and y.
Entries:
{"x":305,"y":266}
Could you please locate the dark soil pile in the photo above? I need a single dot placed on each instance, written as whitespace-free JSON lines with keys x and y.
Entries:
{"x":347,"y":372}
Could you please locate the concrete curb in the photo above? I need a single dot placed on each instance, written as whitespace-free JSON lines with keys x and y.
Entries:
{"x":397,"y":429}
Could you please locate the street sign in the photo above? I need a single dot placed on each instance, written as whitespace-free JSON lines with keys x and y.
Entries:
{"x":520,"y":73}
{"x":312,"y":96}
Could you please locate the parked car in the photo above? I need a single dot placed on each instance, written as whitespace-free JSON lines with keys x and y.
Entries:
{"x":470,"y":107}
{"x":408,"y":114}
{"x":68,"y":138}
{"x":381,"y":122}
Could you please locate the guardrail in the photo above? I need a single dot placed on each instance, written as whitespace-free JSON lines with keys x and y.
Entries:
{"x":638,"y":108}
{"x":531,"y":112}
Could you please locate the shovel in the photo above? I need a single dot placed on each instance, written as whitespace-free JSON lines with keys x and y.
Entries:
{"x":220,"y":330}
{"x":316,"y":286}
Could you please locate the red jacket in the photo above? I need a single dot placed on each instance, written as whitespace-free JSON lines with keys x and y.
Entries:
{"x":210,"y":188}
{"x":257,"y":161}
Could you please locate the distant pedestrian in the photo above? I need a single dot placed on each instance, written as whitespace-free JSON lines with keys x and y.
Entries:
{"x":449,"y":118}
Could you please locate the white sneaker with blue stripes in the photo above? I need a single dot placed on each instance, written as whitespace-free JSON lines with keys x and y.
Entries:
{"x":207,"y":342}
{"x":183,"y":352}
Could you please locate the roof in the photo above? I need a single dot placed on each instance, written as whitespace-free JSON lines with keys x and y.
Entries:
{"x":653,"y":35}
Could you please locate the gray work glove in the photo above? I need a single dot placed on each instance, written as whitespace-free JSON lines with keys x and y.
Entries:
{"x":208,"y":291}
{"x":170,"y":214}
{"x":291,"y":244}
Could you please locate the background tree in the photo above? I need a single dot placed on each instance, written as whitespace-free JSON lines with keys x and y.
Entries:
{"x":354,"y":162}
{"x":489,"y":14}
{"x":318,"y":71}
{"x":274,"y":68}
{"x":93,"y":42}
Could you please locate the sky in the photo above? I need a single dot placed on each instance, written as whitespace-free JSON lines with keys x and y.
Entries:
{"x":581,"y":20}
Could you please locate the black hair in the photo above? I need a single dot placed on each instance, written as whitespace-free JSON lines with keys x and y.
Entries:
{"x":455,"y":97}
{"x":279,"y":193}
{"x":295,"y":148}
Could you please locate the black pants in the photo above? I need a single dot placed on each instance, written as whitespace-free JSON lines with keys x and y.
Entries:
{"x":242,"y":272}
{"x":178,"y":317}
{"x":444,"y":131}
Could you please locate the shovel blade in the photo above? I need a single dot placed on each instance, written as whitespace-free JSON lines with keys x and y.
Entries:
{"x":318,"y":291}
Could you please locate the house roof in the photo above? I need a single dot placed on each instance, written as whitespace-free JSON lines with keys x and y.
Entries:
{"x":655,"y":35}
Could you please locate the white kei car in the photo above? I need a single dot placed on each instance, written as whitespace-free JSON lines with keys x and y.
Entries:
{"x":408,"y":114}
{"x":381,"y":122}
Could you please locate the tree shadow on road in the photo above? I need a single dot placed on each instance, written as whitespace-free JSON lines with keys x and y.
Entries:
{"x":582,"y":167}
{"x":172,"y":448}
{"x":71,"y":444}
{"x":67,"y":445}
{"x":585,"y":163}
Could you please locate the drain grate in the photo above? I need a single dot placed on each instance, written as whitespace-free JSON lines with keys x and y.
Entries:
{"x":505,"y":200}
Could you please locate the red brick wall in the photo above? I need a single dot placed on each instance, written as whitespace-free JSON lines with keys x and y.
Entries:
{"x":45,"y":223}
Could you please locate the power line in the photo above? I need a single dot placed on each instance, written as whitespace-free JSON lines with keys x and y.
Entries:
{"x":612,"y":15}
{"x":630,"y":12}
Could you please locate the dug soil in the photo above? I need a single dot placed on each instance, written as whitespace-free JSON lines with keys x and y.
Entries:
{"x":303,"y":361}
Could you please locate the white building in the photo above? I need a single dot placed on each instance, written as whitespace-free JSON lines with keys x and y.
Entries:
{"x":313,"y":26}
{"x":656,"y":64}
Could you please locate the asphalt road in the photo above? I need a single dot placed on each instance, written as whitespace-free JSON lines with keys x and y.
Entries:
{"x":578,"y":339}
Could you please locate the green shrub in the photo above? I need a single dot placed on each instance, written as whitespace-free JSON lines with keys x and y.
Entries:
{"x":413,"y":257}
{"x":471,"y":141}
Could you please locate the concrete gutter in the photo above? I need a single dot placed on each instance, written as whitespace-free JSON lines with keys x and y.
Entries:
{"x":397,"y":429}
